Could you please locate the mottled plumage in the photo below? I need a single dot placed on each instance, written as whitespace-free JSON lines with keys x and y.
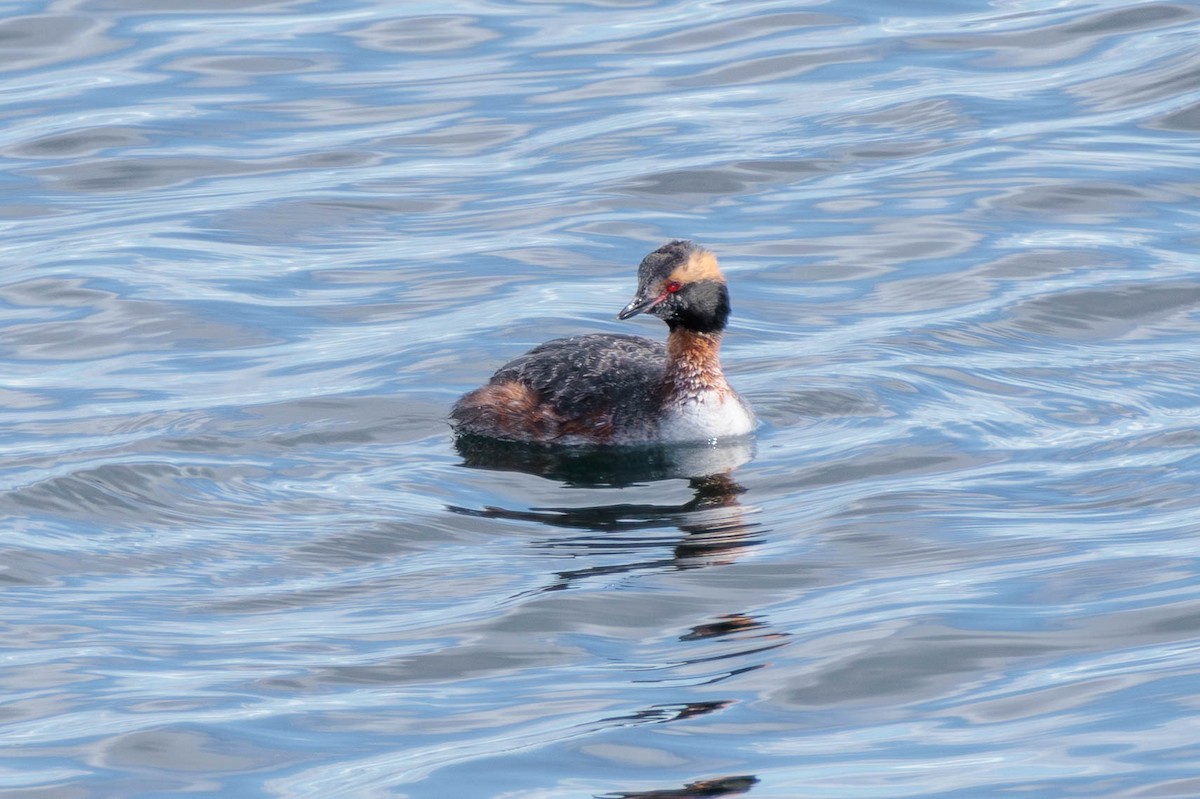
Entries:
{"x":586,"y":387}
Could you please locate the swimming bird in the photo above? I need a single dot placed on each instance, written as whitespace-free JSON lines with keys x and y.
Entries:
{"x":613,"y":389}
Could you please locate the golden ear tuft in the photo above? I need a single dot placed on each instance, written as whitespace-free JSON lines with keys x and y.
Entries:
{"x":701,"y":265}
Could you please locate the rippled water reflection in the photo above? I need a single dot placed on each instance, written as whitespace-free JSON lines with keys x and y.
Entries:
{"x":255,"y":249}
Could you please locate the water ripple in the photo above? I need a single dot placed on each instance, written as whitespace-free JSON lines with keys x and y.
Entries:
{"x":255,"y":249}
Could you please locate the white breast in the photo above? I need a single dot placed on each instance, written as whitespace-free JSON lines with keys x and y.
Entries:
{"x":708,"y":414}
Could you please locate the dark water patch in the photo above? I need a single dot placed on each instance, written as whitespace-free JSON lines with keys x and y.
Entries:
{"x":118,"y":326}
{"x":891,"y":150}
{"x":1119,"y":311}
{"x":1184,"y":440}
{"x":1169,"y":79}
{"x":695,"y":184}
{"x":1095,"y":203}
{"x":788,"y":408}
{"x":911,"y":116}
{"x":185,"y":7}
{"x":912,"y":664}
{"x":893,"y":462}
{"x":248,"y":596}
{"x":112,"y":494}
{"x":45,"y":40}
{"x":427,"y":35}
{"x":318,"y":109}
{"x":787,"y":170}
{"x":241,"y":70}
{"x":141,"y":174}
{"x":376,"y":542}
{"x":177,"y":750}
{"x":78,"y":143}
{"x":458,"y":138}
{"x":773,"y":68}
{"x":1042,"y":45}
{"x":316,"y":219}
{"x":708,"y":185}
{"x":1185,"y":120}
{"x":705,"y":37}
{"x":1046,"y":263}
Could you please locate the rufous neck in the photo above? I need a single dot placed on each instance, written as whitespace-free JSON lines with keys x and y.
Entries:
{"x":693,"y":362}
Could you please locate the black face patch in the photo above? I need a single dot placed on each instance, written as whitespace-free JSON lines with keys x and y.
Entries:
{"x":702,"y":307}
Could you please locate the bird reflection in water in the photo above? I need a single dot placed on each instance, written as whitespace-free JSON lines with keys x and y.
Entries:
{"x":714,"y":532}
{"x":713,"y":520}
{"x":701,"y":789}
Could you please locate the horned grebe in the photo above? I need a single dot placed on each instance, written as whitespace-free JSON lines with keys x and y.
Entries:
{"x":615,"y":389}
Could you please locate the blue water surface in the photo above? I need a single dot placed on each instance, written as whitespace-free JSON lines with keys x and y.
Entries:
{"x":253,"y":251}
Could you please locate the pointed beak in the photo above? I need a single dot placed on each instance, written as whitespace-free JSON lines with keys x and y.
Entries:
{"x":640,"y":304}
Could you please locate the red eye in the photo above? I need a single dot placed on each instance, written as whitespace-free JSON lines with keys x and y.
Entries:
{"x":673,"y":287}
